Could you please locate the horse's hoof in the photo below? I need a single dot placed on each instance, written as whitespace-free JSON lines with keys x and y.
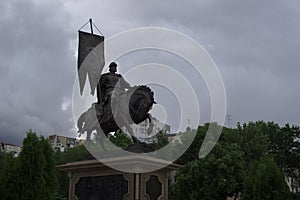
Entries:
{"x":134,"y":139}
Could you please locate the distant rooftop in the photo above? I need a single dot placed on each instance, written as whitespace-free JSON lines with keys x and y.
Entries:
{"x":4,"y":143}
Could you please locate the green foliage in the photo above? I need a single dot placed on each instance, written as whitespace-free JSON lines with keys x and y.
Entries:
{"x":77,"y":153}
{"x":49,"y":169}
{"x":265,"y":181}
{"x":192,"y":152}
{"x":59,"y":197}
{"x":120,"y":139}
{"x":63,"y":189}
{"x":236,"y":165}
{"x":216,"y":176}
{"x":31,"y":175}
{"x":254,"y":140}
{"x":162,"y":140}
{"x":2,"y":158}
{"x":228,"y":135}
{"x":296,"y":196}
{"x":32,"y":165}
{"x":285,"y":149}
{"x":9,"y":178}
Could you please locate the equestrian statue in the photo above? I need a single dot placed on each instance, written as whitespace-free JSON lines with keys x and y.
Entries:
{"x":118,"y":105}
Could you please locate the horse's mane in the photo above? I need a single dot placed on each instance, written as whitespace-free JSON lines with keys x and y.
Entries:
{"x":141,"y":92}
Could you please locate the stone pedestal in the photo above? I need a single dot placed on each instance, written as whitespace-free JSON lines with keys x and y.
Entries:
{"x":92,"y":180}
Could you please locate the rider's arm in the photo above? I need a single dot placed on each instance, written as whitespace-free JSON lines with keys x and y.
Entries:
{"x":124,"y":83}
{"x":101,"y":89}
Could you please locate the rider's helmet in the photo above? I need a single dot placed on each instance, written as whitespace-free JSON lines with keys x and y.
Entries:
{"x":113,"y":67}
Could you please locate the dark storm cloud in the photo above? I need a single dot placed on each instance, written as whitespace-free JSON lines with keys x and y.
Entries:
{"x":254,"y":43}
{"x":36,"y":69}
{"x":237,"y":32}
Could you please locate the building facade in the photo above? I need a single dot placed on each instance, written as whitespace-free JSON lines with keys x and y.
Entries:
{"x":63,"y":143}
{"x":142,"y":130}
{"x":10,"y":148}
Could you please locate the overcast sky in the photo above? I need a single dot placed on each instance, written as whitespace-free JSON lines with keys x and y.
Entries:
{"x":254,"y":43}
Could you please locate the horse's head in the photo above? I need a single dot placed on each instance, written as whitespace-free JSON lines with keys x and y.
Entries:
{"x":141,"y":102}
{"x":144,"y":106}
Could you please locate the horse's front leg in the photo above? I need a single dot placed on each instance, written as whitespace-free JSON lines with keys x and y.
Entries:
{"x":130,"y":130}
{"x":151,"y":124}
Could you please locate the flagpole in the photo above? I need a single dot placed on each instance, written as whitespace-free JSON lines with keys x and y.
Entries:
{"x":91,"y":24}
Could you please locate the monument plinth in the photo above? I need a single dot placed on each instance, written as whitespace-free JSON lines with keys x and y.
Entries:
{"x":91,"y":179}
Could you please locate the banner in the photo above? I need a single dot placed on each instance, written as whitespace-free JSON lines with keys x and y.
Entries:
{"x":90,"y":59}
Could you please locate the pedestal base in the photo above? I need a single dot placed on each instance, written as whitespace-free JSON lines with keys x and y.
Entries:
{"x":92,"y":180}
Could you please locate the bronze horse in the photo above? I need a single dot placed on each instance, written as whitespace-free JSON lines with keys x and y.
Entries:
{"x":130,"y":107}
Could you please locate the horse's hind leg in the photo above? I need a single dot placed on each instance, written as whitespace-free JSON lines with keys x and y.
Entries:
{"x":88,"y":140}
{"x":88,"y":136}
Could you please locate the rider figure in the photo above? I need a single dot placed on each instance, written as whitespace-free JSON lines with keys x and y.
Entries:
{"x":111,"y":85}
{"x":110,"y":90}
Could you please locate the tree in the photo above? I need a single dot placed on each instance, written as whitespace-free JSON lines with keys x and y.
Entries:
{"x":49,"y":170}
{"x":9,"y":177}
{"x":254,"y":142}
{"x":265,"y":181}
{"x":77,"y":153}
{"x":217,"y":176}
{"x":192,"y":152}
{"x":32,"y":168}
{"x":162,"y":140}
{"x":32,"y":174}
{"x":228,"y":135}
{"x":120,"y":139}
{"x":285,"y":149}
